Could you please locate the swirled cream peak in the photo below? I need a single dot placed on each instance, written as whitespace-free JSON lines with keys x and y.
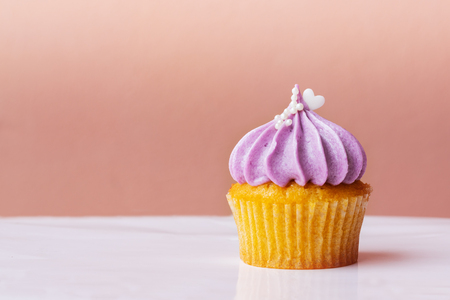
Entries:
{"x":298,"y":145}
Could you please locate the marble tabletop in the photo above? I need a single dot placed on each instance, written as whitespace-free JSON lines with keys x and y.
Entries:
{"x":197,"y":258}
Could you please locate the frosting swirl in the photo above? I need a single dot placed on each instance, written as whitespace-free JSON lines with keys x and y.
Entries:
{"x":310,"y":148}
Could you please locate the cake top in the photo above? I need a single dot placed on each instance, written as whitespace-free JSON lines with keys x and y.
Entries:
{"x":298,"y":145}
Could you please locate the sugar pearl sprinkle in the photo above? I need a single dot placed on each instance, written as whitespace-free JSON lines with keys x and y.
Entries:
{"x":292,"y":109}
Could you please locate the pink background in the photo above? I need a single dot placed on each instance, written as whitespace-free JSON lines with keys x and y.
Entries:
{"x":133,"y":107}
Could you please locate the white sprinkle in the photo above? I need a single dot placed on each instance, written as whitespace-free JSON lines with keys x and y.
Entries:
{"x":293,"y":107}
{"x":278,"y":125}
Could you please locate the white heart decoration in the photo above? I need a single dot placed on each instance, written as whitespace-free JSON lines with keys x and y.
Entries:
{"x":314,"y":102}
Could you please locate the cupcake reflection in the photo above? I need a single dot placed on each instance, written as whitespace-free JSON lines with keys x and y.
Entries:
{"x":262,"y":283}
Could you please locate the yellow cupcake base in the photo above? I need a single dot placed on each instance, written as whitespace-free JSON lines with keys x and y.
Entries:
{"x":304,"y":233}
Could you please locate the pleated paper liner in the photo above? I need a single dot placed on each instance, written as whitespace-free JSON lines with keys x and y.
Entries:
{"x":306,"y":235}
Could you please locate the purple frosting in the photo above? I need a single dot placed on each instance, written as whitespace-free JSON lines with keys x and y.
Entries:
{"x":311,"y":149}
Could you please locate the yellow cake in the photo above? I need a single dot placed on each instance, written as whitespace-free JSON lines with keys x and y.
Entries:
{"x":296,"y":227}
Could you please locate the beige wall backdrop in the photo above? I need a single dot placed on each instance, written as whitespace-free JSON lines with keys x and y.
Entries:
{"x":133,"y":107}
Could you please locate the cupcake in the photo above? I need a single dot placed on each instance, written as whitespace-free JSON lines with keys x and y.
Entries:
{"x":298,"y":202}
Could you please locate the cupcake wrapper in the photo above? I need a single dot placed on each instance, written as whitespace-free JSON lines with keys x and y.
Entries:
{"x":308,"y":235}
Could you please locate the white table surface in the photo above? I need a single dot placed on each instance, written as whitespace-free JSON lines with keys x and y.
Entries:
{"x":197,"y":258}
